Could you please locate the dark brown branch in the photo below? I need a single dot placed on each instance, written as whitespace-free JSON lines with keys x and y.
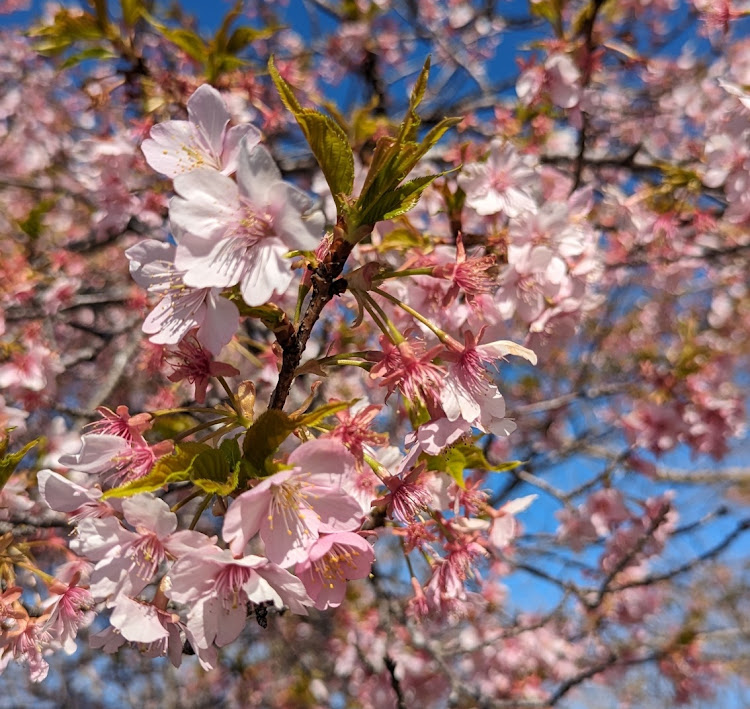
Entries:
{"x":656,"y":522}
{"x":323,"y":290}
{"x":390,"y":665}
{"x":711,"y":553}
{"x":590,"y":46}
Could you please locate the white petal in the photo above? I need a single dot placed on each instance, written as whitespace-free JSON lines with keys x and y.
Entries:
{"x":206,"y":204}
{"x":209,"y":115}
{"x":256,"y":172}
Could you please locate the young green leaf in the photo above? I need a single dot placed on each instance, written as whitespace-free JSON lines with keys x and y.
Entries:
{"x":322,"y":412}
{"x":326,"y":139}
{"x":9,"y":462}
{"x":212,"y":473}
{"x":265,"y":436}
{"x":168,"y":469}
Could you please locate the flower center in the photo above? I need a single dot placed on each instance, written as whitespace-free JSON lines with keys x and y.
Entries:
{"x":333,"y":566}
{"x":229,"y":583}
{"x":147,"y":553}
{"x":288,"y":499}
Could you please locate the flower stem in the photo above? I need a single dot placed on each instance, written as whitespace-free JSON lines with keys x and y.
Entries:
{"x":441,"y":334}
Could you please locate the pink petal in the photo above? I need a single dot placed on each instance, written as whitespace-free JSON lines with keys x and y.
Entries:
{"x":61,"y":494}
{"x":324,"y":457}
{"x":208,"y":113}
{"x":172,"y":148}
{"x":338,"y":511}
{"x":220,"y":324}
{"x":150,"y":513}
{"x":232,"y":141}
{"x":266,"y":272}
{"x":96,"y":454}
{"x":287,"y":537}
{"x":256,"y":172}
{"x":206,"y":204}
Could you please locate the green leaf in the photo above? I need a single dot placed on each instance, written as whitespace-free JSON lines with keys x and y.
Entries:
{"x":131,"y":11}
{"x":451,"y":461}
{"x":404,"y":240}
{"x":92,"y":53}
{"x":222,"y":64}
{"x":400,"y":200}
{"x":220,"y":38}
{"x":323,"y":412}
{"x":189,"y":42}
{"x":169,"y":426}
{"x":550,"y":10}
{"x":383,"y":195}
{"x":326,"y":138}
{"x":270,"y":314}
{"x":476,"y":460}
{"x":100,"y":7}
{"x":435,"y":134}
{"x":265,"y":436}
{"x":32,"y":225}
{"x":211,"y":472}
{"x":244,"y":36}
{"x":505,"y":467}
{"x":412,"y":121}
{"x":9,"y":462}
{"x":168,"y":469}
{"x":378,"y":177}
{"x":66,"y":29}
{"x":465,"y":456}
{"x":230,"y":448}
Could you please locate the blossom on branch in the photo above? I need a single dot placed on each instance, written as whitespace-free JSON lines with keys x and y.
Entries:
{"x":176,"y":147}
{"x":238,"y":233}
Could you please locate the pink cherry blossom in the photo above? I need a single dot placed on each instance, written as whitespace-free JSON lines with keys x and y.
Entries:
{"x":502,"y":184}
{"x":407,"y":495}
{"x":176,"y":147}
{"x":331,"y":561}
{"x":504,"y":527}
{"x":239,"y":233}
{"x":181,"y":308}
{"x":559,"y":77}
{"x":409,"y":367}
{"x":468,"y":275}
{"x":64,"y":495}
{"x":32,"y":366}
{"x":467,"y":392}
{"x":125,"y":459}
{"x":69,"y":607}
{"x":291,"y":508}
{"x":98,"y":453}
{"x":192,"y":362}
{"x":26,"y":644}
{"x":217,"y":587}
{"x":156,"y":632}
{"x":127,"y":561}
{"x":121,"y":423}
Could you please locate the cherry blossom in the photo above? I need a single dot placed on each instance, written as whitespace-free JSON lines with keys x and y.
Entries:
{"x":204,"y":140}
{"x":467,"y":392}
{"x":239,"y":233}
{"x":127,"y":561}
{"x":594,"y":224}
{"x":181,"y":308}
{"x":217,"y":587}
{"x":502,"y":184}
{"x":291,"y":508}
{"x":333,"y":560}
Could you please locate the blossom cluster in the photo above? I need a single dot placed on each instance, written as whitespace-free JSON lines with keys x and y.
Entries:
{"x":598,"y":219}
{"x":289,"y":526}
